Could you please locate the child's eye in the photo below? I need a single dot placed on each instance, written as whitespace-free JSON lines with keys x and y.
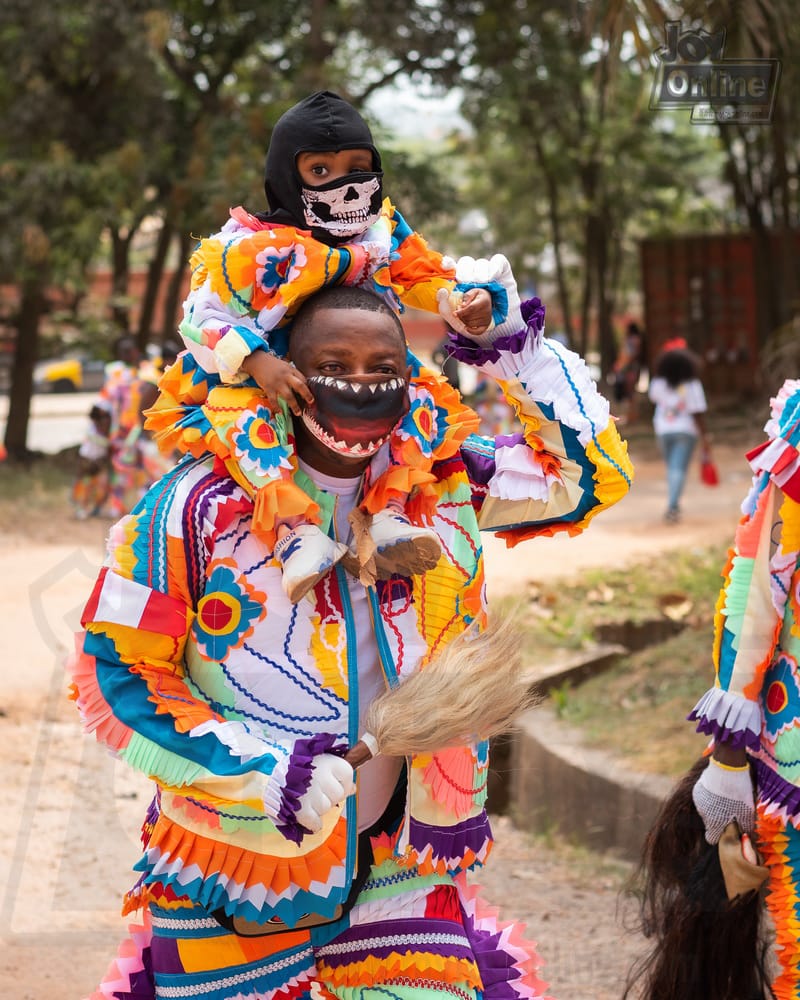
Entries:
{"x":319,"y":170}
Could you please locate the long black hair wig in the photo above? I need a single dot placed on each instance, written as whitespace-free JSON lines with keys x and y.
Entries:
{"x":702,"y":946}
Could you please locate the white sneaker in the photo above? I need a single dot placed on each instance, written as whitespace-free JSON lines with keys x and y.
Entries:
{"x":306,"y":554}
{"x":402,"y":547}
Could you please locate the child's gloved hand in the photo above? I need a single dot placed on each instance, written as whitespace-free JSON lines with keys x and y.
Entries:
{"x":723,"y":794}
{"x":331,"y":783}
{"x":494,"y":278}
{"x":278,"y":380}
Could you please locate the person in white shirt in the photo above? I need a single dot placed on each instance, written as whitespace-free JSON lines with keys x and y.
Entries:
{"x":678,"y":420}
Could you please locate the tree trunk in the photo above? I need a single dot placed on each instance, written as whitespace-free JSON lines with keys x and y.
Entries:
{"x":605,"y":332}
{"x":172,"y":298}
{"x":588,"y":281}
{"x":120,"y":254}
{"x":31,"y":309}
{"x":555,"y":232}
{"x":315,"y":71}
{"x":155,"y":271}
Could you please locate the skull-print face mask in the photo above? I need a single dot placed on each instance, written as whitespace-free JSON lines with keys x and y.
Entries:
{"x":344,"y":207}
{"x":354,"y":416}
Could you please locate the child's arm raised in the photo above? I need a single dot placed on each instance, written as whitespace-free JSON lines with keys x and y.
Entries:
{"x":568,"y":463}
{"x":423,"y":279}
{"x":279,"y":380}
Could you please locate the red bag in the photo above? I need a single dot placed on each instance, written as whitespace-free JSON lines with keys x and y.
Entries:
{"x":708,"y":470}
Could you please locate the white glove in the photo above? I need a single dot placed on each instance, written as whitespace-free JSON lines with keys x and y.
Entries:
{"x":722,"y":794}
{"x":331,"y":783}
{"x":482,"y":273}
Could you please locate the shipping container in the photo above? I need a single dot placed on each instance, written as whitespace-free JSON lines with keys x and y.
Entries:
{"x":709,"y":290}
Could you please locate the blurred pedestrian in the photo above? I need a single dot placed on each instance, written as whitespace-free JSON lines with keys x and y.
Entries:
{"x":91,"y":485}
{"x":490,"y":404}
{"x":627,"y":370}
{"x":117,"y":389}
{"x":137,"y":462}
{"x":169,"y":354}
{"x":678,"y":420}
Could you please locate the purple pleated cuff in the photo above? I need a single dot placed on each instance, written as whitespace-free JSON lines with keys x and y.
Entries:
{"x":451,"y":843}
{"x":509,"y":440}
{"x":728,"y":718}
{"x":298,"y":778}
{"x":775,"y":790}
{"x":465,"y":349}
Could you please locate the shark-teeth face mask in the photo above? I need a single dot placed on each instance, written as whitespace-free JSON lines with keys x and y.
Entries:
{"x":354,"y":416}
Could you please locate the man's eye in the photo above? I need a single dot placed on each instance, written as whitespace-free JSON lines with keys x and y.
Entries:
{"x":385,"y":370}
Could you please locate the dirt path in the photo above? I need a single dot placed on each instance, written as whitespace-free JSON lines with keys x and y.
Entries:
{"x":71,"y":816}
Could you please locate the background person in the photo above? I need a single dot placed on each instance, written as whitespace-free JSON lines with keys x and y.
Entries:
{"x":628,"y":367}
{"x":678,"y":419}
{"x":91,"y":485}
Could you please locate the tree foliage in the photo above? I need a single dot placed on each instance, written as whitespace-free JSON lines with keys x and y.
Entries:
{"x":131,"y":127}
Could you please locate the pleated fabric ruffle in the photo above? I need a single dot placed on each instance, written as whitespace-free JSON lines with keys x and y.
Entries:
{"x":179,"y":862}
{"x":729,"y":717}
{"x":779,"y":846}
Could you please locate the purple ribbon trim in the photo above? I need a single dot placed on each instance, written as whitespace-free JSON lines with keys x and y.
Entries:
{"x":509,"y":440}
{"x":735,"y":738}
{"x":298,"y":779}
{"x":450,"y":843}
{"x":465,"y":349}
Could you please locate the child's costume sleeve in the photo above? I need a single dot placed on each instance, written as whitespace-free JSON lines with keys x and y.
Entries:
{"x":246,"y":284}
{"x":129,"y":675}
{"x":416,"y":272}
{"x":760,"y":590}
{"x":568,"y":463}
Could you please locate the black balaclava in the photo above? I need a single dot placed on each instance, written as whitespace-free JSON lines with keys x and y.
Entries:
{"x":322,"y":122}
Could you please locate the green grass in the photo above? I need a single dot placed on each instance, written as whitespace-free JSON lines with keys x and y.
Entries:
{"x":35,"y":496}
{"x":638,"y":709}
{"x":566,"y":616}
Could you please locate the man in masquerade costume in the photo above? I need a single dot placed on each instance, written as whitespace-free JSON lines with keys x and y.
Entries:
{"x":267,"y":871}
{"x":753,"y":710}
{"x":328,"y":224}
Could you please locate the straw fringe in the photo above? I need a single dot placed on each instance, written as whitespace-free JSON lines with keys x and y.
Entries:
{"x":472,"y":691}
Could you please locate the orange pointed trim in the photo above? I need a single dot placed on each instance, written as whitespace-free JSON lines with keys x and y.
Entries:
{"x":372,"y":969}
{"x":246,"y":867}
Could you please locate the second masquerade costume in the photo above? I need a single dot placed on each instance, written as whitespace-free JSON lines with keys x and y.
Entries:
{"x":755,"y":700}
{"x":248,"y":281}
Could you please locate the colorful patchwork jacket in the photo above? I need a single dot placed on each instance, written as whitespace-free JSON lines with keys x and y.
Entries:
{"x":756,"y":699}
{"x":196,"y":669}
{"x":251,"y":278}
